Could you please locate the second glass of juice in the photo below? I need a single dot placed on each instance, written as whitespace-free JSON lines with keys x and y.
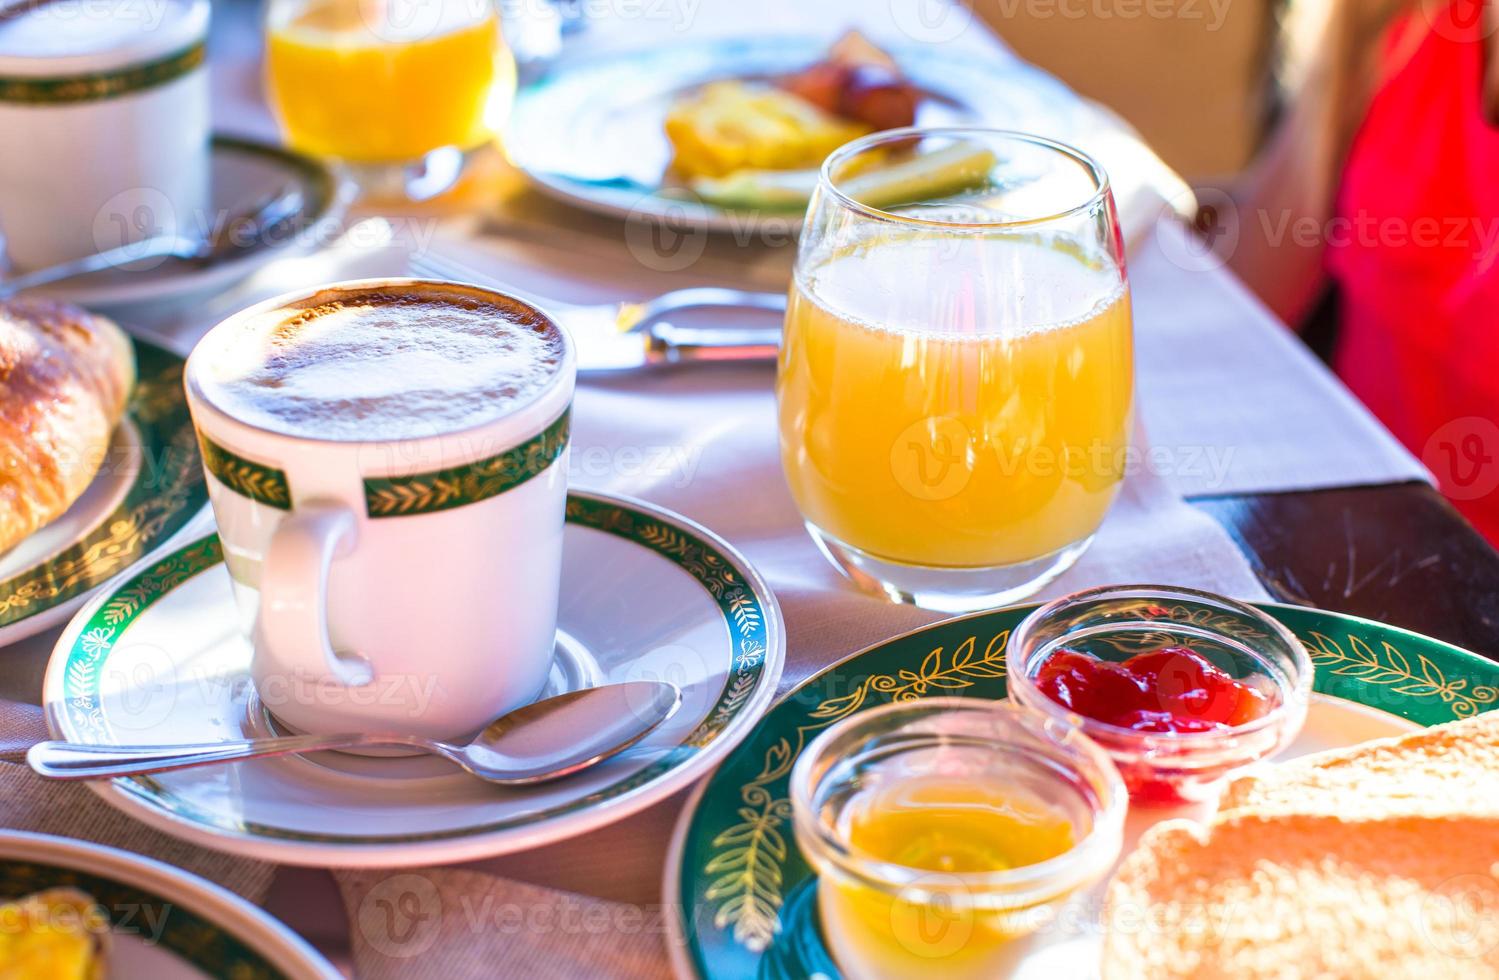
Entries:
{"x":397,"y":90}
{"x":956,"y":382}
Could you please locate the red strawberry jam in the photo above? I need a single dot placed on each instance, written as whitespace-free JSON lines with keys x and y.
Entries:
{"x":1173,"y":689}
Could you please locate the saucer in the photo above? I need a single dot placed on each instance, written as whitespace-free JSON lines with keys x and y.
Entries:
{"x":158,"y":657}
{"x":243,"y":172}
{"x":148,"y":487}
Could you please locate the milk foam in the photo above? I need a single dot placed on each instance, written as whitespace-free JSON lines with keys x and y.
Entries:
{"x":382,"y":365}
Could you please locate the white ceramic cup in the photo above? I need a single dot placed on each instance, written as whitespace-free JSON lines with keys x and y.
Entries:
{"x":104,"y":111}
{"x":392,"y":586}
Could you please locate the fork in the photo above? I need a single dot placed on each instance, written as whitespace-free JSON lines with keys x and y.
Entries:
{"x":241,"y":233}
{"x":628,"y":336}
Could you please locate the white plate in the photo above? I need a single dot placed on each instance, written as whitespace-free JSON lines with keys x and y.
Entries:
{"x":592,"y":132}
{"x":166,"y":923}
{"x":244,"y":173}
{"x":148,"y":487}
{"x":158,"y":657}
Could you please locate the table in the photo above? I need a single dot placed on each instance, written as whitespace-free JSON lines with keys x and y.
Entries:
{"x":1392,"y":552}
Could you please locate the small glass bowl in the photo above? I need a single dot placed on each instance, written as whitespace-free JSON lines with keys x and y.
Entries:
{"x":885,"y":919}
{"x":1115,"y":622}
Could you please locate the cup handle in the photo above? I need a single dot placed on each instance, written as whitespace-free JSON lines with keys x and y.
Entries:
{"x":292,"y":624}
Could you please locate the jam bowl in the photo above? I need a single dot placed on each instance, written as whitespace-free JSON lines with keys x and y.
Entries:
{"x":948,"y":834}
{"x":1180,"y":687}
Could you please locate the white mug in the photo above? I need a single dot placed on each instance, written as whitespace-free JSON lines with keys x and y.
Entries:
{"x":405,"y":586}
{"x":105,"y":116}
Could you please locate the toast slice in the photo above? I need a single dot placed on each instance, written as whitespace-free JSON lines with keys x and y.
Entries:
{"x":1298,"y":897}
{"x":1449,"y":770}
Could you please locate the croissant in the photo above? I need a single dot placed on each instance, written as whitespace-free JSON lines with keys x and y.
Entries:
{"x":65,"y":376}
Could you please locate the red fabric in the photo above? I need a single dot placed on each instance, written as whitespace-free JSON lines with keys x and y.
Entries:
{"x":1415,"y":248}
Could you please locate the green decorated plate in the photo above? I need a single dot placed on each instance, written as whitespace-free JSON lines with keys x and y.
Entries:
{"x":745,"y":891}
{"x":150,"y":485}
{"x":164,"y":923}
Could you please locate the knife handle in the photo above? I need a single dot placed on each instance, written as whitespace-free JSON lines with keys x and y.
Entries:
{"x":668,"y":344}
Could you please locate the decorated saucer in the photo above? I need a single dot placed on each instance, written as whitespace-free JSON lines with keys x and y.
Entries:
{"x":159,"y":657}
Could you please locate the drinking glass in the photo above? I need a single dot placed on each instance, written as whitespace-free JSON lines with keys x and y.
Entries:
{"x":956,"y":380}
{"x":397,"y":90}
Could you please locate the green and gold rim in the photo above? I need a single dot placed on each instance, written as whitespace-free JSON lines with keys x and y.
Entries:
{"x":167,"y":492}
{"x":739,"y":871}
{"x":93,"y":86}
{"x":204,"y":944}
{"x":404,"y":496}
{"x":750,"y":619}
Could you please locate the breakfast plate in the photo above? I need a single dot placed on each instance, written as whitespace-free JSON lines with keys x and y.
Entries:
{"x":592,"y":132}
{"x":149,"y":486}
{"x":244,"y":173}
{"x":164,"y":923}
{"x":159,"y":658}
{"x":752,"y":896}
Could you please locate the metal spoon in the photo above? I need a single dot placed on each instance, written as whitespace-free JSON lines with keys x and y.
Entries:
{"x":241,"y":234}
{"x":543,"y":741}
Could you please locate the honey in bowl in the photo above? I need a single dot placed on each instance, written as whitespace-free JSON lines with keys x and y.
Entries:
{"x":944,"y":830}
{"x":949,"y":827}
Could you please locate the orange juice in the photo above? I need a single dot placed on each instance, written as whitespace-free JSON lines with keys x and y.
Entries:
{"x":387,"y":81}
{"x":944,"y":826}
{"x":934,"y":414}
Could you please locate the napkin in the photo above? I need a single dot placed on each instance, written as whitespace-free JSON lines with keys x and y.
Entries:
{"x":444,"y":923}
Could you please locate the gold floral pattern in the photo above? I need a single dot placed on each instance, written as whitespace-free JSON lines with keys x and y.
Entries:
{"x":423,"y":493}
{"x":165,"y":492}
{"x":1414,"y":676}
{"x":745,"y":866}
{"x":262,"y":484}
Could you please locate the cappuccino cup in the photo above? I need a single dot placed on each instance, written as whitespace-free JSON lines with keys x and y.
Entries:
{"x":387,"y":460}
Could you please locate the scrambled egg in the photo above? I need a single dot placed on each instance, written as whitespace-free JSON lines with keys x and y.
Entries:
{"x":731,"y":126}
{"x":59,"y":934}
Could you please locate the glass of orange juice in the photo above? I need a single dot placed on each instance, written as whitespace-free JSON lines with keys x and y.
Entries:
{"x":949,"y":834}
{"x":398,"y":90}
{"x":956,"y":380}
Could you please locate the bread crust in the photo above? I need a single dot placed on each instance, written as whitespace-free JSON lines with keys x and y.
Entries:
{"x":65,"y":378}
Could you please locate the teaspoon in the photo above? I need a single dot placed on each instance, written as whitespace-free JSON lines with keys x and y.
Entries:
{"x":544,"y":740}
